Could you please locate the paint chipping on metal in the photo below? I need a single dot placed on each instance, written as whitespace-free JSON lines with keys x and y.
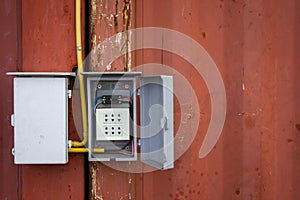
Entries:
{"x":106,"y":19}
{"x":126,"y":24}
{"x":93,"y":177}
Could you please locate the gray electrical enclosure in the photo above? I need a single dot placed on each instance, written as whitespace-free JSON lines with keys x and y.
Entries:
{"x":40,"y":119}
{"x":112,"y":115}
{"x":157,"y":132}
{"x":111,"y":103}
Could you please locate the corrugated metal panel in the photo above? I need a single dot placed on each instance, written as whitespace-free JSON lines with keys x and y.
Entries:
{"x":254,"y":44}
{"x":9,"y":61}
{"x":49,"y":45}
{"x":109,"y":18}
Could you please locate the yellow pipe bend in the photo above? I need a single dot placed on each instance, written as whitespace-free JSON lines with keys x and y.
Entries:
{"x":82,"y":89}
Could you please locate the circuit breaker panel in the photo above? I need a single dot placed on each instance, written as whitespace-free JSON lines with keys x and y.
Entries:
{"x":112,"y":117}
{"x":113,"y":110}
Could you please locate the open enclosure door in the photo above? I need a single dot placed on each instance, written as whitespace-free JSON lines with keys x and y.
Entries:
{"x":157,"y":132}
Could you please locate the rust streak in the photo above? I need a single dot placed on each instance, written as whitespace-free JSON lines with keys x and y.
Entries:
{"x":116,"y":16}
{"x":93,"y":174}
{"x":126,"y":24}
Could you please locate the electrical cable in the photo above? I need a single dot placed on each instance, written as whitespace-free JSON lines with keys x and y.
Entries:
{"x":96,"y":99}
{"x":96,"y":105}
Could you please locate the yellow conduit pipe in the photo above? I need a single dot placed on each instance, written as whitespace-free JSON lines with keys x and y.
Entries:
{"x":85,"y":150}
{"x":80,"y":77}
{"x":81,"y":88}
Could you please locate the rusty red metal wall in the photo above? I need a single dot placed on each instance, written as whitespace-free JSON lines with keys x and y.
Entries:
{"x":48,"y":39}
{"x":255,"y":44}
{"x":10,"y":60}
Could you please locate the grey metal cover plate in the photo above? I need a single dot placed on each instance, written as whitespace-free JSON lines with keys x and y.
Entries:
{"x":111,"y":74}
{"x":92,"y":78}
{"x":157,"y":132}
{"x":40,"y":120}
{"x":40,"y":74}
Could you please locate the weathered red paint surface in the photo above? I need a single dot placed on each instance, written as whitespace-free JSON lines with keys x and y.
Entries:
{"x":48,"y":35}
{"x":105,"y":182}
{"x":254,"y":44}
{"x":9,"y":61}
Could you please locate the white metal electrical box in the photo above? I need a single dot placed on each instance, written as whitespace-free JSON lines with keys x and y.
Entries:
{"x":40,"y":119}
